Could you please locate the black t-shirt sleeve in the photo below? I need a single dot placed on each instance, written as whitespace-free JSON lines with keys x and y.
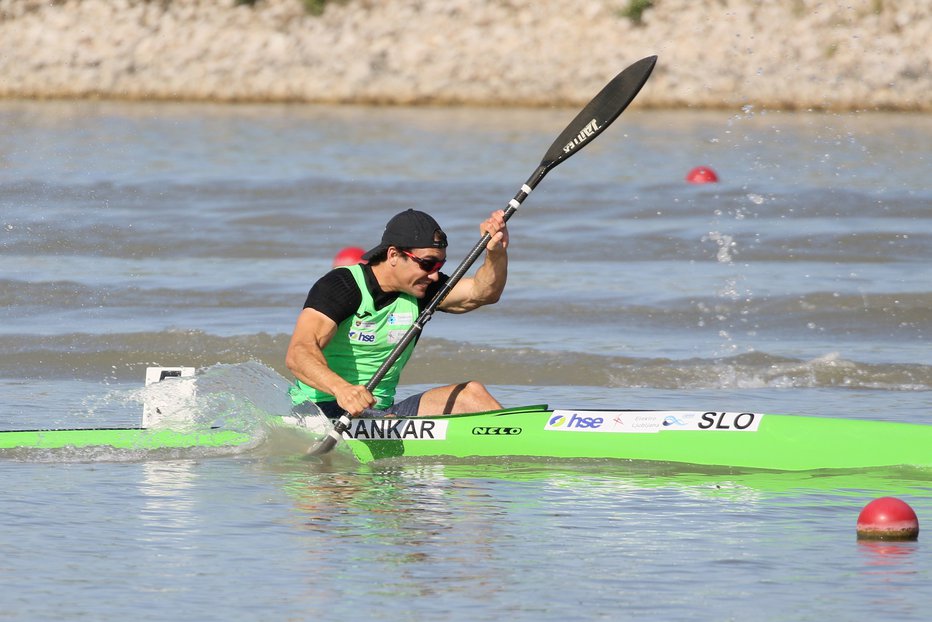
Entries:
{"x":335,"y":295}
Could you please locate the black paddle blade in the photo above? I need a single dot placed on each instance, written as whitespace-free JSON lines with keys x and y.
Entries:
{"x":600,"y":112}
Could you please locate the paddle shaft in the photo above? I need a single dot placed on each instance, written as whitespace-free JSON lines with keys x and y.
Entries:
{"x":589,"y":123}
{"x":412,"y":333}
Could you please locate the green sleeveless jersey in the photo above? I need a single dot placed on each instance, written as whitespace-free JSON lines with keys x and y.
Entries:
{"x":363,"y":342}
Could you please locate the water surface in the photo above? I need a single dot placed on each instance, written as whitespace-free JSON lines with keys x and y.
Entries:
{"x":175,"y":234}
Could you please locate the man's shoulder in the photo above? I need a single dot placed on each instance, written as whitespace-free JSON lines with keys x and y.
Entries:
{"x":335,"y":294}
{"x":339,"y":279}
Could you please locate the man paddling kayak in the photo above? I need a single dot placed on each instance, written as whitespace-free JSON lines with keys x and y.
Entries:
{"x":355,"y":314}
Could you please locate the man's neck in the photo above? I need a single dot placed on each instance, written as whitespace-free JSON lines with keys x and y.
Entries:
{"x":385,"y":276}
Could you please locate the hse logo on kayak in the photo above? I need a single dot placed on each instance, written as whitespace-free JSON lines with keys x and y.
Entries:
{"x":568,"y":420}
{"x":493,"y":431}
{"x":397,"y":430}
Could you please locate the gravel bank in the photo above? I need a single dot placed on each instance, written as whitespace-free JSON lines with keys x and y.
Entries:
{"x":786,"y":54}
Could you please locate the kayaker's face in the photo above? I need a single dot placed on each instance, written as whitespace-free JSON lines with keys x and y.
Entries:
{"x":418,"y":268}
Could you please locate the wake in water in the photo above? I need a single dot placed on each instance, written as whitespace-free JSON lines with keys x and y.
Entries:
{"x":246,"y":398}
{"x":238,"y":397}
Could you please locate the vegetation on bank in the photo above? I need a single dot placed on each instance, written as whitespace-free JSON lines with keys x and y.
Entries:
{"x":314,"y":7}
{"x":634,"y":10}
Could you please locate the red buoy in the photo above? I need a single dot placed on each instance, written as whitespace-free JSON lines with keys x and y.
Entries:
{"x":701,"y":175}
{"x":888,"y":518}
{"x":348,"y":256}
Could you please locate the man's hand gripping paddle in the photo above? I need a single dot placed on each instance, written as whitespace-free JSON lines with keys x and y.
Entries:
{"x":589,"y":123}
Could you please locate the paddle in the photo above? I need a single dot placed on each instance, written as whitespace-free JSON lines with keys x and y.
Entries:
{"x":589,"y":123}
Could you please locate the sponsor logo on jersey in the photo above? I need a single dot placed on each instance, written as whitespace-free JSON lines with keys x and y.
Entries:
{"x":400,"y":319}
{"x":360,"y":336}
{"x":395,"y":336}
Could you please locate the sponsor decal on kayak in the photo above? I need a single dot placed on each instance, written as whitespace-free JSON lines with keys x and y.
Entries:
{"x":493,"y":431}
{"x":397,"y":430}
{"x":637,"y":423}
{"x":649,"y":422}
{"x":742,"y":422}
{"x":569,"y":420}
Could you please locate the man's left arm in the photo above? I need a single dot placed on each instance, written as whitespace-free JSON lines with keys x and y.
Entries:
{"x":487,"y":285}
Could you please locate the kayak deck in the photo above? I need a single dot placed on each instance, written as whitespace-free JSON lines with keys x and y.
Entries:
{"x":742,"y":440}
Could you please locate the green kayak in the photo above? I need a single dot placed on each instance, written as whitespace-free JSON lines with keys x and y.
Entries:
{"x":730,"y":439}
{"x":743,"y":440}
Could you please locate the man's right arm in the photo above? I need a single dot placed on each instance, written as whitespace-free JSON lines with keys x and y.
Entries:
{"x":305,"y":358}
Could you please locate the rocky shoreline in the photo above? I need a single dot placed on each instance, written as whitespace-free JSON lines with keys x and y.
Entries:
{"x":773,"y":54}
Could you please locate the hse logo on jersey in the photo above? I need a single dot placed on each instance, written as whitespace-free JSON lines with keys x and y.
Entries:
{"x":360,"y":336}
{"x":568,"y":420}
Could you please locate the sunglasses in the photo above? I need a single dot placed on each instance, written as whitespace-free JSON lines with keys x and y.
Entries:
{"x":428,"y":265}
